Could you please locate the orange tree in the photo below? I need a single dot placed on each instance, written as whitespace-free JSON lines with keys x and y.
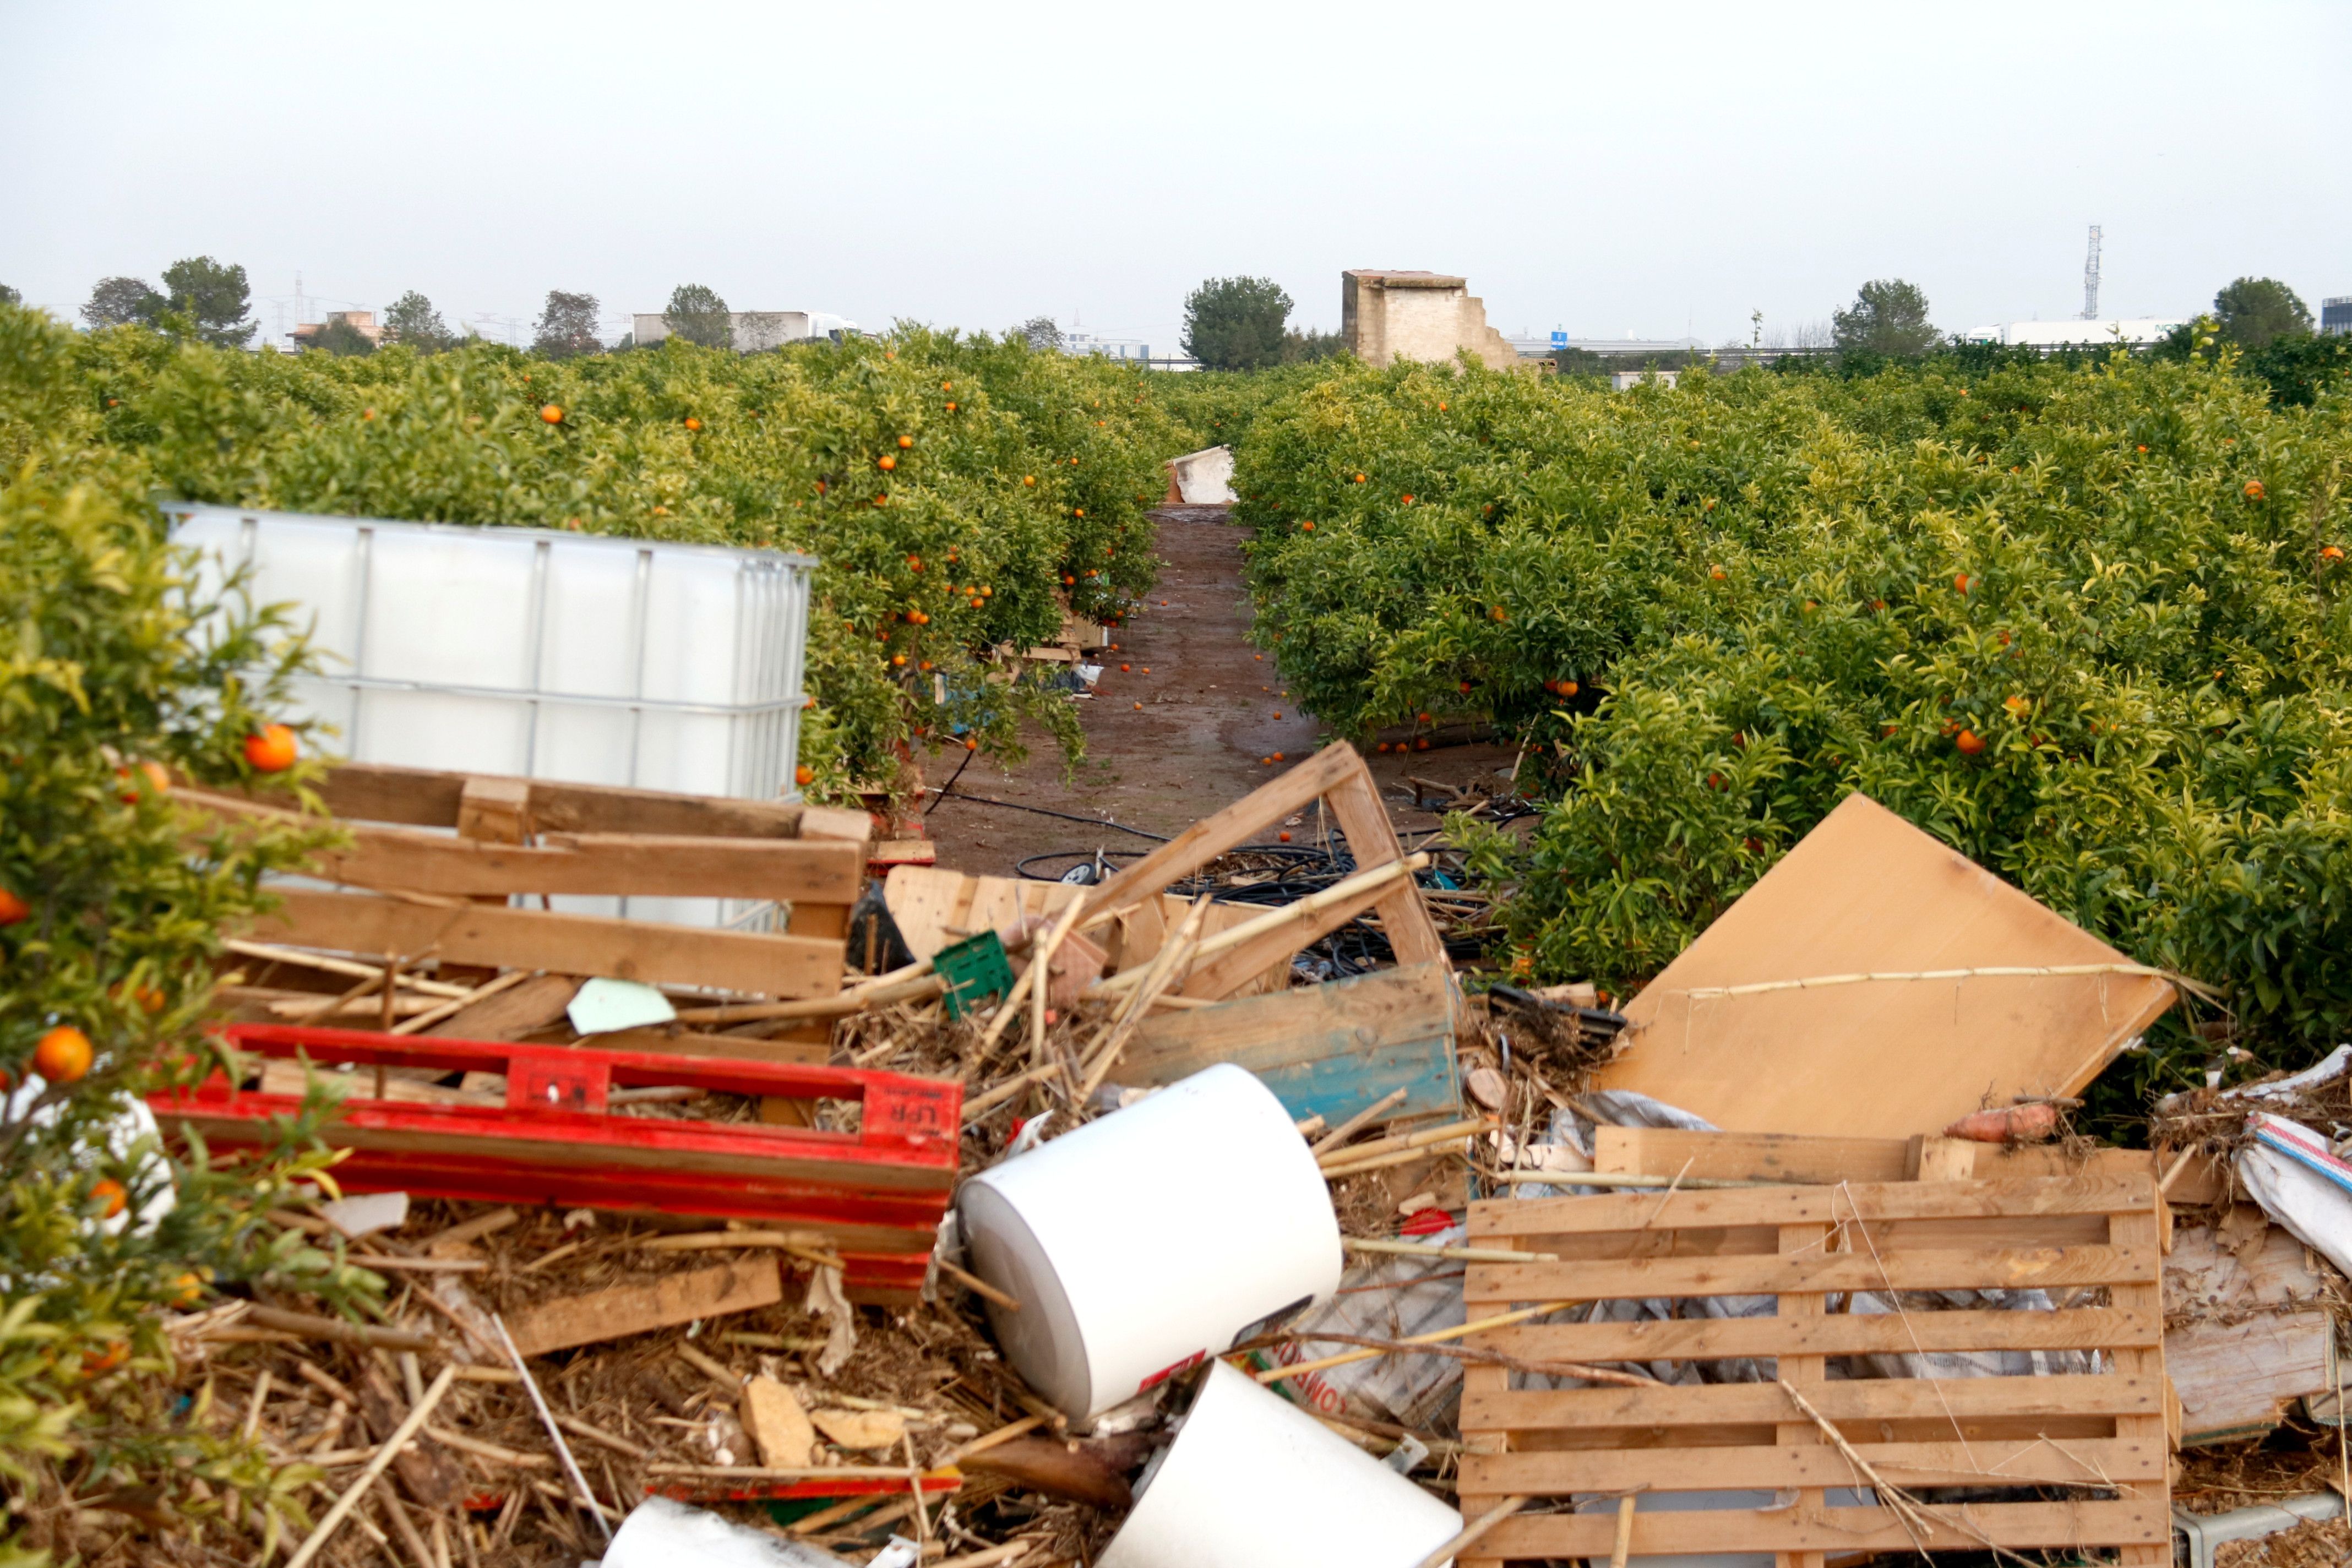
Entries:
{"x":115,"y":679}
{"x":957,"y":492}
{"x":2088,"y":624}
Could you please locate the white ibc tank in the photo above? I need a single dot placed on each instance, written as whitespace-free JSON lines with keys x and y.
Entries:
{"x":1147,"y":1240}
{"x":1252,"y":1482}
{"x":544,"y":655}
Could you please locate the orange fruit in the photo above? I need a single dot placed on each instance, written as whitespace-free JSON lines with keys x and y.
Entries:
{"x":885,"y":462}
{"x":12,"y":908}
{"x":1408,"y":500}
{"x":63,"y":1055}
{"x":272,"y":751}
{"x":881,"y":501}
{"x":95,"y":1362}
{"x":2332,"y":552}
{"x":1077,"y":512}
{"x":1028,"y":479}
{"x":367,"y":414}
{"x":905,"y":442}
{"x":189,"y":1290}
{"x":1969,"y":742}
{"x":951,"y":408}
{"x":1306,"y":526}
{"x":1716,"y":572}
{"x":805,"y":775}
{"x":1285,"y":837}
{"x":552,"y":414}
{"x":899,"y":660}
{"x":1498,"y":614}
{"x":1123,"y":669}
{"x":1961,"y":582}
{"x":692,"y":423}
{"x":110,"y":1194}
{"x":2253,"y":489}
{"x":969,"y":745}
{"x":1568,"y":689}
{"x":1359,"y":479}
{"x":158,"y":781}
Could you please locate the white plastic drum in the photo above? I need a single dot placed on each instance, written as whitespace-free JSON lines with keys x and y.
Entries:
{"x":1252,"y":1482}
{"x":1147,"y":1241}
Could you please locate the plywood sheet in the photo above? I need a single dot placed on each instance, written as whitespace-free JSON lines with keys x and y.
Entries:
{"x":1866,"y":891}
{"x":934,"y":907}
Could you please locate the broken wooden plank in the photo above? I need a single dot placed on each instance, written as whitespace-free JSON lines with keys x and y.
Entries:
{"x":2013,"y":1462}
{"x":622,"y":1309}
{"x":1867,"y":892}
{"x":2019,"y":1268}
{"x":512,"y":1012}
{"x":376,"y":792}
{"x":933,"y":907}
{"x":1324,"y":1050}
{"x":2236,"y":1381}
{"x":750,"y":962}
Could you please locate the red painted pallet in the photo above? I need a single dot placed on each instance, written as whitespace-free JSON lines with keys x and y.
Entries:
{"x":876,"y":1195}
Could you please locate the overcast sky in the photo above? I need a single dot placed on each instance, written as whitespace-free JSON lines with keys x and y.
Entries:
{"x":1605,"y":168}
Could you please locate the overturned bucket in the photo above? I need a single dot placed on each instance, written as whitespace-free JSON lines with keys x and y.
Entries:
{"x":1142,"y":1244}
{"x":1252,"y":1482}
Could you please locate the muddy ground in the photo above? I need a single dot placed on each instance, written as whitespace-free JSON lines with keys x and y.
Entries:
{"x":1183,"y":731}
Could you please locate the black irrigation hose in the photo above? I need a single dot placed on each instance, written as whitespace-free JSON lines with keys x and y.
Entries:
{"x":1040,"y":811}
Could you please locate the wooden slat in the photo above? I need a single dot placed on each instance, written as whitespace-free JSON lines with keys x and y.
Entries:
{"x":1748,"y":1156}
{"x":1227,"y":829}
{"x":2010,"y":1268}
{"x":2016,"y":1197}
{"x":1804,"y":1373}
{"x":1843,"y":1333}
{"x":646,"y":866}
{"x":2133,"y":1521}
{"x":753,"y":964}
{"x":609,"y":1314}
{"x":1227,"y":973}
{"x":2011,"y":1462}
{"x":376,"y":792}
{"x":1877,"y":1399}
{"x":1404,"y":920}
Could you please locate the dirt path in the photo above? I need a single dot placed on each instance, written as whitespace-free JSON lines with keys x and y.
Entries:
{"x":1210,"y":712}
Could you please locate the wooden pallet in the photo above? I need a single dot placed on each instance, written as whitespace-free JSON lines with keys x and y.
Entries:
{"x":2091,"y":1235}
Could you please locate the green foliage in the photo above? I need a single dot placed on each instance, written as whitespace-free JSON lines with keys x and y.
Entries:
{"x":411,"y":320}
{"x":9,"y":295}
{"x":2254,"y":312}
{"x":567,"y":327}
{"x":1889,"y":318}
{"x":1028,"y":476}
{"x":213,"y":298}
{"x":2299,"y":367}
{"x":120,"y":301}
{"x":1235,"y":323}
{"x":700,"y":316}
{"x":113,"y":664}
{"x":1773,"y":591}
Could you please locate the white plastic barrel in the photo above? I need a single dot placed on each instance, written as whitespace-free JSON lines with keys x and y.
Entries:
{"x":1148,"y":1240}
{"x":1252,"y":1482}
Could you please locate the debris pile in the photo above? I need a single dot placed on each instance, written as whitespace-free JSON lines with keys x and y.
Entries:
{"x":1085,"y":1234}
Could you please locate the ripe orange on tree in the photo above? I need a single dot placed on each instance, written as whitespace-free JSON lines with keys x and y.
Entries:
{"x":63,"y":1055}
{"x":805,"y":775}
{"x":12,"y":908}
{"x":692,"y":423}
{"x":552,"y":414}
{"x":110,"y":1193}
{"x":1969,"y":742}
{"x":273,"y":750}
{"x":157,"y":778}
{"x":885,"y":462}
{"x":905,"y":442}
{"x":2253,"y":489}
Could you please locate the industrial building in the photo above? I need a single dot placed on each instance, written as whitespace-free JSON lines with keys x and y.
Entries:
{"x":749,"y":331}
{"x":2132,"y":330}
{"x":2336,"y":315}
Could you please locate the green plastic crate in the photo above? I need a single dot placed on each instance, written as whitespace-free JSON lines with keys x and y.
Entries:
{"x":975,"y":969}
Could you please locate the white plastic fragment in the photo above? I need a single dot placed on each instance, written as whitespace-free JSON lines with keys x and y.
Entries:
{"x":367,"y":1213}
{"x":602,"y":1006}
{"x":661,"y":1534}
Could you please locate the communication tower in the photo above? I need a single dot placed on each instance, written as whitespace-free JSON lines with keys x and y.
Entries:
{"x":2090,"y":279}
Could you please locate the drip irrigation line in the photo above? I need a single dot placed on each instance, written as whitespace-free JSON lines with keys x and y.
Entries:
{"x":1040,"y":811}
{"x":941,"y":794}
